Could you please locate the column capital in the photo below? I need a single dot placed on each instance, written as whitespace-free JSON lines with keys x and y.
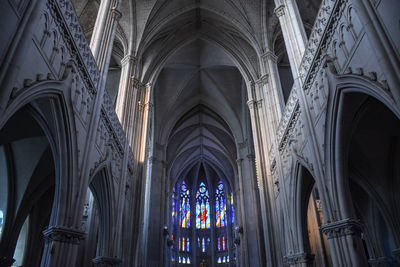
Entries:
{"x":269,"y":55}
{"x":63,"y":234}
{"x":342,"y":228}
{"x":254,"y":103}
{"x":127,"y":59}
{"x":263,"y":79}
{"x":280,"y":10}
{"x":103,"y":261}
{"x":116,"y":13}
{"x":299,"y":258}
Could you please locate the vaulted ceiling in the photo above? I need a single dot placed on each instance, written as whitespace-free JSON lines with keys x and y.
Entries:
{"x":199,"y":56}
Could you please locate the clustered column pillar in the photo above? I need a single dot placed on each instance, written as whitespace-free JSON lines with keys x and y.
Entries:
{"x":347,"y":247}
{"x":61,"y":243}
{"x":126,"y":96}
{"x":293,"y":32}
{"x":345,"y":240}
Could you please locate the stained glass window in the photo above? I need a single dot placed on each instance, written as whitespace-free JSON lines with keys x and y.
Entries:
{"x":220,"y":206}
{"x":202,"y":207}
{"x":181,"y":211}
{"x":184,"y":207}
{"x":173,"y":207}
{"x":232,"y":215}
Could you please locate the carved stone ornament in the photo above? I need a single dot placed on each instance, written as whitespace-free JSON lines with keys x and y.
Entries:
{"x":299,"y":258}
{"x":342,"y":228}
{"x":104,"y":261}
{"x":280,"y":10}
{"x":63,"y":234}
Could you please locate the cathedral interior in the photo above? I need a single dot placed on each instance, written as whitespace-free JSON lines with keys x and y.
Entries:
{"x":200,"y":133}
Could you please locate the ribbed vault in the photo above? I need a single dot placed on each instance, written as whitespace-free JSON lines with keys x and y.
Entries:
{"x":201,"y":136}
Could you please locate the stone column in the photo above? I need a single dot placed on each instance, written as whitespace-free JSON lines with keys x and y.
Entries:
{"x":344,"y":238}
{"x":126,"y":98}
{"x":293,"y":32}
{"x":61,"y":245}
{"x":103,"y":35}
{"x":274,"y":87}
{"x":264,"y":135}
{"x":242,"y":239}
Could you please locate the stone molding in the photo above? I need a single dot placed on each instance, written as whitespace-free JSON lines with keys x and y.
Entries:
{"x":63,"y":234}
{"x":64,"y":15}
{"x":104,"y":261}
{"x":254,"y":104}
{"x":280,"y":10}
{"x":328,"y":14}
{"x":299,"y":258}
{"x":263,"y":80}
{"x":269,"y":55}
{"x":342,"y":228}
{"x":128,"y":58}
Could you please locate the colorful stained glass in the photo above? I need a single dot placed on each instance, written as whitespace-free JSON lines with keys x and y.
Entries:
{"x":220,"y":206}
{"x":219,"y":259}
{"x":227,"y":258}
{"x":188,"y":260}
{"x":223,"y":243}
{"x":183,"y":244}
{"x":232,"y":215}
{"x":203,"y":245}
{"x":187,"y":244}
{"x":179,"y":243}
{"x":184,"y":206}
{"x":219,"y":244}
{"x":183,"y":260}
{"x":173,"y":213}
{"x":223,"y":259}
{"x":180,"y":259}
{"x":202,"y":208}
{"x":198,"y":241}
